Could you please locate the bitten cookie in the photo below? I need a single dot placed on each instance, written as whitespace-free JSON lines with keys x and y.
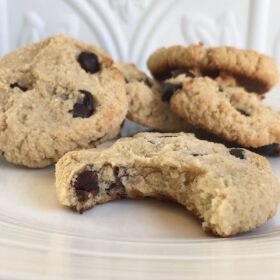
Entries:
{"x":56,"y":96}
{"x":230,"y":190}
{"x":228,"y":112}
{"x":253,"y":71}
{"x":145,"y":105}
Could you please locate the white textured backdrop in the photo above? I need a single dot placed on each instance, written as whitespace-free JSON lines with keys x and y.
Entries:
{"x":130,"y":29}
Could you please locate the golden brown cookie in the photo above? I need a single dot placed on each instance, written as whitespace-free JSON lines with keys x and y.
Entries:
{"x":254,"y":71}
{"x":228,"y":112}
{"x":230,"y":190}
{"x":145,"y":106}
{"x":56,"y":96}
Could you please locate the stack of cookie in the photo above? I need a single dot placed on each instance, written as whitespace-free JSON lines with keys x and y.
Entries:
{"x":215,"y":93}
{"x":61,"y":95}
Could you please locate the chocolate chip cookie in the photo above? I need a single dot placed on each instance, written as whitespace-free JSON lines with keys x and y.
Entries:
{"x":56,"y":96}
{"x":253,"y":71}
{"x":228,"y":112}
{"x":145,"y":104}
{"x":230,"y":190}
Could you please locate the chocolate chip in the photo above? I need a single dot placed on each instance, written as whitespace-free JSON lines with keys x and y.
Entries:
{"x":267,"y":150}
{"x":168,"y":90}
{"x":84,"y":109}
{"x":22,"y":88}
{"x":197,"y":155}
{"x":89,"y":62}
{"x":82,"y":195}
{"x":116,"y":188}
{"x":239,"y":153}
{"x":86,"y":184}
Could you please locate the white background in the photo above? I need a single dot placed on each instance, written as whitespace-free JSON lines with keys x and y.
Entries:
{"x":130,"y":30}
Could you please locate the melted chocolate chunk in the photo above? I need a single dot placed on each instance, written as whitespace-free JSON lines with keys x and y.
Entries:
{"x":22,"y":88}
{"x":168,"y":90}
{"x":89,"y":62}
{"x":86,"y":184}
{"x":242,"y":112}
{"x":236,"y":152}
{"x":84,"y":109}
{"x":117,"y":186}
{"x":267,"y":150}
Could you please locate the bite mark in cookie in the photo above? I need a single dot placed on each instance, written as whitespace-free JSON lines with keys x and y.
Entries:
{"x":230,"y":190}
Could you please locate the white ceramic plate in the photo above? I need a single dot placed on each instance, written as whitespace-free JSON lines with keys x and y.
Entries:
{"x":125,"y":239}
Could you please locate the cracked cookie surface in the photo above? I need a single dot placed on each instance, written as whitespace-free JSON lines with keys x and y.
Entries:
{"x":230,"y":190}
{"x":56,"y":96}
{"x":254,"y":71}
